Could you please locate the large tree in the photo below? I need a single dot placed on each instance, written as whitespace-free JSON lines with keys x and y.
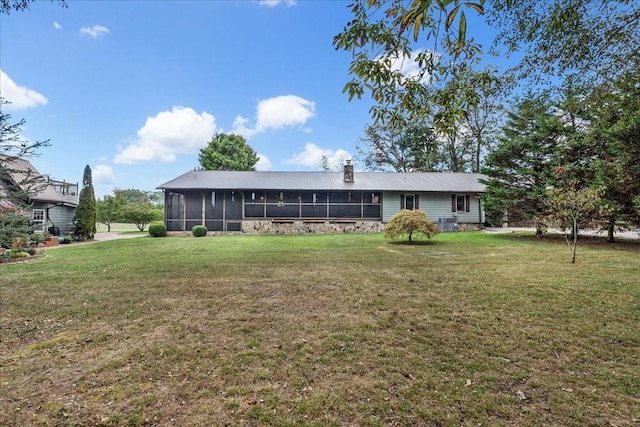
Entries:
{"x":612,"y":150}
{"x":586,"y":39}
{"x":524,"y":163}
{"x":413,"y":148}
{"x":226,"y":152}
{"x":85,"y":218}
{"x":109,"y":210}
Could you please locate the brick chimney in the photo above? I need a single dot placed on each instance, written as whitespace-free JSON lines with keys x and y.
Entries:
{"x":348,"y":172}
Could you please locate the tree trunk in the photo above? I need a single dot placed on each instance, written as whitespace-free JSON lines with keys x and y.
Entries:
{"x":611,"y":225}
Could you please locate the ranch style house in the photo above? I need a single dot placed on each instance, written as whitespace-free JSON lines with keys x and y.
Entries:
{"x":318,"y":202}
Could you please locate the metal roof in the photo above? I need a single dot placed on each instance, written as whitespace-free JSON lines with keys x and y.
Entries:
{"x":451,"y":182}
{"x":21,"y":171}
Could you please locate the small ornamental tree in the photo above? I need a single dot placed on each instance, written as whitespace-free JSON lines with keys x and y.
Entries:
{"x":86,"y":210}
{"x":410,"y":222}
{"x":570,"y":209}
{"x":140,"y":214}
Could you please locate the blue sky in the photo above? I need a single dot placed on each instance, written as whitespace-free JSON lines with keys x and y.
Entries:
{"x":135,"y":88}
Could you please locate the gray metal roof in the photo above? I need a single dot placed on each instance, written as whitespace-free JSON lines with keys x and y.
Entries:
{"x":21,"y":171}
{"x":366,"y":181}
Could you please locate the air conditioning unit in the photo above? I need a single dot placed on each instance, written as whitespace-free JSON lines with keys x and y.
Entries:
{"x":448,"y":224}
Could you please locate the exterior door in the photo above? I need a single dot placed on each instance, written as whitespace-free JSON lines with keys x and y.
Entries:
{"x":233,"y":211}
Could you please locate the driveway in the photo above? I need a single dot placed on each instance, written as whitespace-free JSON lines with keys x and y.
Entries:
{"x":100,"y":237}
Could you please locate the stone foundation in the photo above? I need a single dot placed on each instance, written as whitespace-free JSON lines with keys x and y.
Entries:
{"x":302,"y":227}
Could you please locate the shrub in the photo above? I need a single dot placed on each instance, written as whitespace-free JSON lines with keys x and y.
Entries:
{"x":199,"y":230}
{"x":409,"y":222}
{"x":13,"y":253}
{"x":157,"y":229}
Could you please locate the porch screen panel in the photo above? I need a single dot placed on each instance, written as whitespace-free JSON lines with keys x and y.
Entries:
{"x":345,"y":211}
{"x":174,"y":208}
{"x":213,"y":205}
{"x":193,"y":203}
{"x":283,"y":210}
{"x":319,"y":210}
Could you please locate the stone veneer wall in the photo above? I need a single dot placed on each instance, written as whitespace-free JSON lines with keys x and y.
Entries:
{"x":300,"y":227}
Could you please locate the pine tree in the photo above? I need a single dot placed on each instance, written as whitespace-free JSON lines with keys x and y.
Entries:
{"x":85,"y":218}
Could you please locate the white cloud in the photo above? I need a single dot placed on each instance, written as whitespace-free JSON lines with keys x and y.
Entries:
{"x":95,"y":31}
{"x":312,"y":157}
{"x":179,"y":131}
{"x":103,"y":174}
{"x":20,"y":97}
{"x":274,"y":3}
{"x":263,"y":163}
{"x":57,"y":26}
{"x":276,"y":113}
{"x":409,"y":67}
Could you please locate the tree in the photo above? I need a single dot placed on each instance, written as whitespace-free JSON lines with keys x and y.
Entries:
{"x":381,"y":38}
{"x":12,"y":148}
{"x":410,"y":148}
{"x":109,"y":210}
{"x":612,"y":147}
{"x":523,"y":165}
{"x":592,"y":40}
{"x":410,"y":222}
{"x":6,"y":6}
{"x":228,"y":152}
{"x":85,"y":218}
{"x":140,"y":214}
{"x":13,"y":224}
{"x":569,"y":209}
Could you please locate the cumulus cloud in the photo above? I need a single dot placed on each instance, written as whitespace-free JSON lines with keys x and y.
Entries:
{"x":276,"y":113}
{"x":95,"y":31}
{"x":103,"y":174}
{"x":57,"y":26}
{"x":263,"y":163}
{"x":179,"y":131}
{"x":274,"y":3}
{"x":312,"y":157}
{"x":19,"y":97}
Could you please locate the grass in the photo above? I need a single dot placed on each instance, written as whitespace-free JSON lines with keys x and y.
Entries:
{"x":118,"y":227}
{"x":333,"y":330}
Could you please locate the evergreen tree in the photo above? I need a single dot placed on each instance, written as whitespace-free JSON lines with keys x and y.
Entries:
{"x":85,"y":218}
{"x":525,"y":162}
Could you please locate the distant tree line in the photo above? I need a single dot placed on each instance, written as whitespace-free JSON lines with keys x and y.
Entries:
{"x":130,"y":206}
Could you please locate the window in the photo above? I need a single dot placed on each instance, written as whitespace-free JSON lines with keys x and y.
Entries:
{"x":460,"y":203}
{"x":409,"y":201}
{"x":37,"y":219}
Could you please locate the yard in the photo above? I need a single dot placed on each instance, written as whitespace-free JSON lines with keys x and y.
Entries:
{"x":468,"y":329}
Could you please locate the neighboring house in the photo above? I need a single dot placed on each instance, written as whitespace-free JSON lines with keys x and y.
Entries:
{"x":316,"y":202}
{"x":50,"y":204}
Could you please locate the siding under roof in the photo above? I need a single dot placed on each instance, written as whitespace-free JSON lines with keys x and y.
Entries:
{"x":366,"y":181}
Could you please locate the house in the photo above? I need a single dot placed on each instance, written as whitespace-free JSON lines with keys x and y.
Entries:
{"x":51,"y":204}
{"x":318,"y":202}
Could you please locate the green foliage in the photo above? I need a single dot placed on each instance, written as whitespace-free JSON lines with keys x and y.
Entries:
{"x":523,"y":164}
{"x":199,"y":231}
{"x":13,"y":225}
{"x":17,"y":253}
{"x":569,"y":209}
{"x":409,"y":222}
{"x":109,"y":210}
{"x":595,"y":40}
{"x":157,"y":229}
{"x":6,"y":6}
{"x":140,"y":214}
{"x":229,"y":153}
{"x":86,"y":211}
{"x":411,"y":147}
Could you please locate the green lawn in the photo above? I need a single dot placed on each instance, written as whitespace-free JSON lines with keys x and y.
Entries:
{"x":117,"y":227}
{"x":334,"y":330}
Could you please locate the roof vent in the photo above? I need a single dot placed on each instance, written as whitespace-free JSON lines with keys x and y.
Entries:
{"x":348,"y":172}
